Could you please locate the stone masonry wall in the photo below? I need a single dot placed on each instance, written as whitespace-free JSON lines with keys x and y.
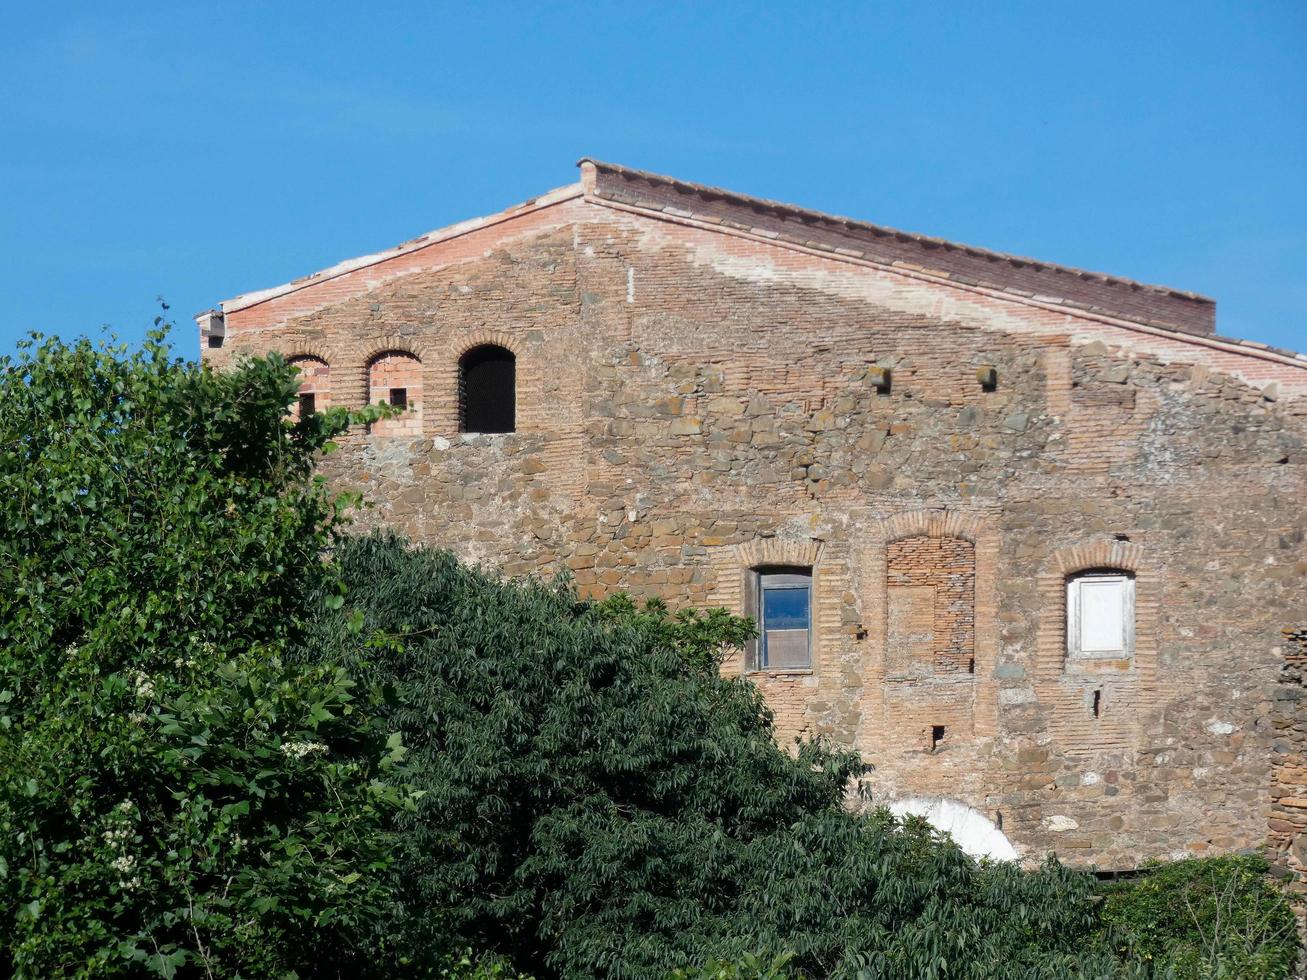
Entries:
{"x":693,"y":404}
{"x":1287,"y":837}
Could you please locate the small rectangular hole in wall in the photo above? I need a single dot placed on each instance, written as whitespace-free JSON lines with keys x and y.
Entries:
{"x":215,"y":340}
{"x":936,"y":736}
{"x":880,"y":378}
{"x":971,"y":666}
{"x":998,"y":819}
{"x":307,"y":404}
{"x":987,"y":375}
{"x":1097,"y":706}
{"x":399,"y":397}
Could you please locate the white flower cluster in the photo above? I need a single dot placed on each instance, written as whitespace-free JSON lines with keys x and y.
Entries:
{"x":144,"y":686}
{"x":116,"y":837}
{"x":301,"y":750}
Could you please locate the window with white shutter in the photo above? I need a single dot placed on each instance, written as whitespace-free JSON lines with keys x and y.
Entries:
{"x":1100,"y":610}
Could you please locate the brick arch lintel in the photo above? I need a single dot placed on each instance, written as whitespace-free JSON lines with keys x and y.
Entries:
{"x":394,"y":345}
{"x":761,"y":552}
{"x":487,"y":338}
{"x":1097,"y":553}
{"x":305,"y":352}
{"x":935,"y":523}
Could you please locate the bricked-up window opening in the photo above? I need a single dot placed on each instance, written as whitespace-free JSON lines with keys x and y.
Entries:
{"x":936,"y":736}
{"x":931,"y":622}
{"x":1100,"y":613}
{"x":395,"y":378}
{"x":487,"y":390}
{"x":315,"y":386}
{"x":783,"y":610}
{"x":1097,"y":707}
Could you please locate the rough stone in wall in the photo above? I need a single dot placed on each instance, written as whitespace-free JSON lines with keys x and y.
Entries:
{"x":1287,"y":826}
{"x":697,"y":398}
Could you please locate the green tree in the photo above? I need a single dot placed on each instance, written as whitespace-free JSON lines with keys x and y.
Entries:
{"x":174,"y":798}
{"x":599,"y":801}
{"x":1212,"y":919}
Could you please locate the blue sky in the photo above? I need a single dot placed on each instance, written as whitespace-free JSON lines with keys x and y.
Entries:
{"x":197,"y":151}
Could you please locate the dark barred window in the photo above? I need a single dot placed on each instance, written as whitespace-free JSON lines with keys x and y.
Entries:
{"x":487,"y":390}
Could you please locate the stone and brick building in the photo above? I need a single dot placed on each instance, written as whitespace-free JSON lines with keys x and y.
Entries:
{"x":1026,"y":536}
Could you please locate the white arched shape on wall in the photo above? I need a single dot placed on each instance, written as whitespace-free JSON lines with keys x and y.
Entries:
{"x":970,"y":829}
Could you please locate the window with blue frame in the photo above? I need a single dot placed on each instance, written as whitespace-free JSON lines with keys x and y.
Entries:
{"x":784,"y":617}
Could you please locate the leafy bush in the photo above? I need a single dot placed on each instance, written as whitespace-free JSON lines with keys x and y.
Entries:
{"x":598,"y":801}
{"x":1207,"y":918}
{"x":747,"y":967}
{"x":172,"y":796}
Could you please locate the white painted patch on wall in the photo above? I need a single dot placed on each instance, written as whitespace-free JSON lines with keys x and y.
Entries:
{"x":970,"y":829}
{"x":1059,"y":824}
{"x":1220,"y":727}
{"x":1091,"y":779}
{"x":630,"y":284}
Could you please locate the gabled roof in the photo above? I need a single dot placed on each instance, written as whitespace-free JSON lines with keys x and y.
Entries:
{"x":1184,"y":316}
{"x":1096,"y":292}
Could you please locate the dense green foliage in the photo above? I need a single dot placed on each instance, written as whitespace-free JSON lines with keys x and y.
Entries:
{"x":599,"y":801}
{"x":172,"y":797}
{"x":1219,"y":917}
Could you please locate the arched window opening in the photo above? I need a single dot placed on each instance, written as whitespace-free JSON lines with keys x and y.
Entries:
{"x":487,"y":390}
{"x":315,"y":386}
{"x":395,"y":378}
{"x":1100,"y":615}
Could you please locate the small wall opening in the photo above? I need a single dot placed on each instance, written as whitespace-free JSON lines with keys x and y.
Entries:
{"x":487,"y":390}
{"x":937,"y":733}
{"x":1097,"y":706}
